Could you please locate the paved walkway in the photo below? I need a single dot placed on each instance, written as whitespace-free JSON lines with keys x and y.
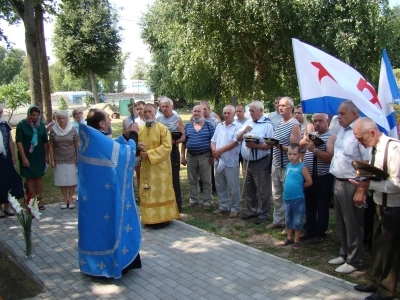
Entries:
{"x":179,"y":262}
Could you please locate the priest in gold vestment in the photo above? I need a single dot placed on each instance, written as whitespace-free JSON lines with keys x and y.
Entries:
{"x":157,"y":196}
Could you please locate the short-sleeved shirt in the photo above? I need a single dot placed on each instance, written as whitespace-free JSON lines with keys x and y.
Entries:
{"x":225,"y":135}
{"x":64,"y":146}
{"x":346,"y":150}
{"x":198,"y":141}
{"x":283,"y":132}
{"x":262,"y":128}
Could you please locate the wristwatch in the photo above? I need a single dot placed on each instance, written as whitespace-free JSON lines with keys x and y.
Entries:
{"x":315,"y":150}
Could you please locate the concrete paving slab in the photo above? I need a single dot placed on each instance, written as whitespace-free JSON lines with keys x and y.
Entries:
{"x":179,"y":262}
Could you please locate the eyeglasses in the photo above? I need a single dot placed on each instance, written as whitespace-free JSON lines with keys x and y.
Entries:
{"x":79,"y":113}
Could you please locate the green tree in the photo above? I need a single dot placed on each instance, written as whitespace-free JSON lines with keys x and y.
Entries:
{"x":250,"y":55}
{"x":86,"y":39}
{"x":13,"y":96}
{"x":113,"y":81}
{"x":141,"y":69}
{"x":11,"y":62}
{"x":31,"y":12}
{"x":61,"y":79}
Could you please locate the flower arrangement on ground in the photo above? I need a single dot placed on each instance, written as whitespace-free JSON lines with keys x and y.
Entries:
{"x":25,"y":213}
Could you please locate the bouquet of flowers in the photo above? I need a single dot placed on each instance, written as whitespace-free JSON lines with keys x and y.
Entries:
{"x":25,"y":213}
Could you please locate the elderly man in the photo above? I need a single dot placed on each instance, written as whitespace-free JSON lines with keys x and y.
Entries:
{"x":349,"y":217}
{"x":317,"y":159}
{"x":287,"y":131}
{"x":256,"y":155}
{"x":275,"y":116}
{"x":175,"y":125}
{"x":385,"y":155}
{"x":199,"y":157}
{"x":225,"y":150}
{"x":157,"y":197}
{"x":107,"y":203}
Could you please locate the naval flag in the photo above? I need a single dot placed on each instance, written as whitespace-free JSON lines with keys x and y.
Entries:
{"x":388,"y":92}
{"x":325,"y":82}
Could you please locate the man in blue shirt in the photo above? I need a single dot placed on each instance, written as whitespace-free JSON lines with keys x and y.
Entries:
{"x":198,"y":158}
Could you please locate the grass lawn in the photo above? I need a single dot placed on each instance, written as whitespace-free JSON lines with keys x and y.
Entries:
{"x":246,"y":232}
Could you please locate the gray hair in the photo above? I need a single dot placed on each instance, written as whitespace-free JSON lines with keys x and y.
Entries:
{"x":231,"y":107}
{"x":206,"y":103}
{"x":166,"y":99}
{"x":326,"y":117}
{"x":289,"y":100}
{"x":257,"y":105}
{"x":350,"y":106}
{"x":366,"y":124}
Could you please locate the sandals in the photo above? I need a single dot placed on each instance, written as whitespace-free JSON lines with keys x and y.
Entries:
{"x":64,"y":206}
{"x":286,"y":242}
{"x":71,"y":206}
{"x":296,"y":246}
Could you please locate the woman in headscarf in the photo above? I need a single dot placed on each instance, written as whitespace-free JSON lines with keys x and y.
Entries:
{"x":10,"y":181}
{"x":63,"y":156}
{"x":32,"y":143}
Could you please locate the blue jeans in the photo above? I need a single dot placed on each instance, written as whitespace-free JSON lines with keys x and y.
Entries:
{"x":294,"y":213}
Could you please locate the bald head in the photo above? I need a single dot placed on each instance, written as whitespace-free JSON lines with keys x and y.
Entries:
{"x":366,"y":132}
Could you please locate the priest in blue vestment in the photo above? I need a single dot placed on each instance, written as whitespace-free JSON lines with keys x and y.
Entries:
{"x":108,"y":222}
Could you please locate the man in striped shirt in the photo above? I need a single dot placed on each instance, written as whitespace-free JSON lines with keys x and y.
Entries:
{"x":256,"y":155}
{"x":199,"y":157}
{"x":287,"y":131}
{"x":317,"y":159}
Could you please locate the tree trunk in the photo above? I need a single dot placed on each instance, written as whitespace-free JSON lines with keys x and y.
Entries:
{"x":44,"y":67}
{"x":259,"y":72}
{"x":32,"y":51}
{"x":92,"y":79}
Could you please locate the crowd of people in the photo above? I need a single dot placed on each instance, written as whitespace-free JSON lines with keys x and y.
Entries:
{"x":287,"y":160}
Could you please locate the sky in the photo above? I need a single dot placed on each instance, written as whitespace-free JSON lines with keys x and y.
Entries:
{"x":131,"y":41}
{"x":128,"y":19}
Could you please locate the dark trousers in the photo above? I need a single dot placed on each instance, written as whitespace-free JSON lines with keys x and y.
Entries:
{"x":318,"y":199}
{"x":176,"y":167}
{"x":386,"y":251}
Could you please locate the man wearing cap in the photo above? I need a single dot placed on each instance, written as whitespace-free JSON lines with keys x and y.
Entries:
{"x":385,"y":155}
{"x":349,"y":215}
{"x":199,"y":157}
{"x":287,"y":131}
{"x":256,"y":155}
{"x":225,"y":150}
{"x":317,"y":159}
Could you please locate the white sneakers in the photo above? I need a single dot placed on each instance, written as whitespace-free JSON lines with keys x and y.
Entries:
{"x":345,"y":269}
{"x":337,"y":261}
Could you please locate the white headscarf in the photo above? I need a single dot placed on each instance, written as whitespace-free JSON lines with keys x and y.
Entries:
{"x":2,"y":148}
{"x":57,"y":128}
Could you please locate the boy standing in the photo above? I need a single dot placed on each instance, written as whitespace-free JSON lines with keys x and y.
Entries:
{"x":296,"y":180}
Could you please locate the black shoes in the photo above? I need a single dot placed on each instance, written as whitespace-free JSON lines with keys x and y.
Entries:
{"x":376,"y":296}
{"x":366,"y":288}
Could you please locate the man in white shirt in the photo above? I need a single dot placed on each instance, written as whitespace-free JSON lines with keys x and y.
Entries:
{"x":349,"y":215}
{"x":225,"y":150}
{"x":256,"y":155}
